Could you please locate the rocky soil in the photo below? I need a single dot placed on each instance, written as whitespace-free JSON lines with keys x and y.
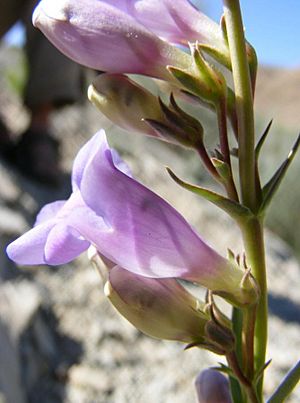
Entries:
{"x":61,"y":340}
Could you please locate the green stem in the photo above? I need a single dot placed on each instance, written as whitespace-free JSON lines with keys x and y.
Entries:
{"x":237,"y":327}
{"x":253,"y":237}
{"x":248,"y":332}
{"x":244,"y":101}
{"x":223,"y":135}
{"x":252,"y":230}
{"x":247,"y":385}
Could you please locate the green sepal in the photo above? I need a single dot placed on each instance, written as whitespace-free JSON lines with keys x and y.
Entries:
{"x":234,"y":209}
{"x":190,"y":82}
{"x":222,"y":168}
{"x":220,"y":57}
{"x":176,"y":125}
{"x":253,"y":63}
{"x":201,"y":79}
{"x":166,"y":133}
{"x":287,"y":385}
{"x":271,"y":187}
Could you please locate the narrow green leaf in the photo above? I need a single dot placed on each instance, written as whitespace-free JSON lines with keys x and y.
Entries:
{"x":231,"y":207}
{"x":287,"y":385}
{"x":262,"y":139}
{"x":271,"y":187}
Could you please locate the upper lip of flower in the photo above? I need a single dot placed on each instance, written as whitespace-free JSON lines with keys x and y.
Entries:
{"x":56,"y":15}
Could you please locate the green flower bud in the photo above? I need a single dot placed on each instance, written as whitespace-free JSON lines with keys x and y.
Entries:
{"x":125,"y":102}
{"x":133,"y":108}
{"x":160,"y":308}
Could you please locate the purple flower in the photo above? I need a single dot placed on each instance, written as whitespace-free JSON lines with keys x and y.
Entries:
{"x":177,"y":21}
{"x":127,"y":223}
{"x":212,"y":387}
{"x":103,"y":37}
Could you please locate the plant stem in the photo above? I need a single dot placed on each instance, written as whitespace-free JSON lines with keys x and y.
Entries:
{"x":237,"y":327}
{"x":223,"y":135}
{"x":244,"y":101}
{"x":248,"y":332}
{"x":234,"y":365}
{"x":253,"y":238}
{"x":252,"y":229}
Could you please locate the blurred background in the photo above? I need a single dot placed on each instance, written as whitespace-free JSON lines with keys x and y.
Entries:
{"x":60,"y":340}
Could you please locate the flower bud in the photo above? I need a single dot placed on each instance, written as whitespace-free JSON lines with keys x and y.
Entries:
{"x":103,"y":37}
{"x":133,"y":108}
{"x":162,"y":308}
{"x":125,"y":102}
{"x":177,"y":126}
{"x":219,"y":335}
{"x":212,"y":387}
{"x":177,"y":22}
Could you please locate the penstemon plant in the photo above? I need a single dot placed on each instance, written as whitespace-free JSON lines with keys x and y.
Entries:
{"x":142,"y":245}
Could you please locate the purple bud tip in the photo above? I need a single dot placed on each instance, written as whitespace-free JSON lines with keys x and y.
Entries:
{"x":212,"y":387}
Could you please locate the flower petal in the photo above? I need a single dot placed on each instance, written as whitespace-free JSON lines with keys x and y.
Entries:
{"x":29,"y":248}
{"x":49,"y":211}
{"x":177,"y":21}
{"x":84,"y":155}
{"x":63,"y":245}
{"x":148,"y":237}
{"x":102,"y":37}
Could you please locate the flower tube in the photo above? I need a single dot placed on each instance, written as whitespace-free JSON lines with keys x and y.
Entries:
{"x":103,"y":37}
{"x":129,"y":225}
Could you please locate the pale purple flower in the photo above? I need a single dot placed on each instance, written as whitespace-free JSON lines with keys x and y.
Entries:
{"x":103,"y":37}
{"x":177,"y":21}
{"x":212,"y":387}
{"x":127,"y":223}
